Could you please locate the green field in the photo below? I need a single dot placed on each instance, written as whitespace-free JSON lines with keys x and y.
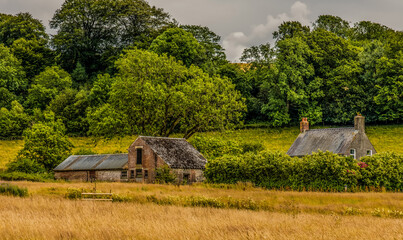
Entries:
{"x":384,"y":138}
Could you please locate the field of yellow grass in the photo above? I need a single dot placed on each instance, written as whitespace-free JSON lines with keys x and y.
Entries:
{"x":384,"y":138}
{"x":47,"y":214}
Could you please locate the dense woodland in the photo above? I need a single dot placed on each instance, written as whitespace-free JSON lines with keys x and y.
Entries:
{"x":125,"y":67}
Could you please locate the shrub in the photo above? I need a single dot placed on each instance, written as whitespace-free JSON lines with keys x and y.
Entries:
{"x":84,"y":151}
{"x":25,"y":165}
{"x":164,"y":175}
{"x":7,"y":189}
{"x":73,"y":193}
{"x":20,"y":176}
{"x":383,"y":170}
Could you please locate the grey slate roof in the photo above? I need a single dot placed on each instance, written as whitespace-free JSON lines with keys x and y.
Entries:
{"x":176,"y":152}
{"x":93,"y":162}
{"x":336,"y":140}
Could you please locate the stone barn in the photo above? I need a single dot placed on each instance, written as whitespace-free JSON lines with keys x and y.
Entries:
{"x":108,"y":167}
{"x":139,"y":165}
{"x":347,"y":141}
{"x":148,"y":153}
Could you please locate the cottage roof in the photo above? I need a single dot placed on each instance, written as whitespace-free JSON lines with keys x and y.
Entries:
{"x":176,"y":152}
{"x":93,"y":162}
{"x":336,"y":140}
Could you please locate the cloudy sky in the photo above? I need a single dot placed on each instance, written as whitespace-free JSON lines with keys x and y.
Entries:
{"x":244,"y":23}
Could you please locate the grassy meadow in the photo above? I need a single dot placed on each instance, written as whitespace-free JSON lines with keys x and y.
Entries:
{"x":47,"y":214}
{"x":384,"y":138}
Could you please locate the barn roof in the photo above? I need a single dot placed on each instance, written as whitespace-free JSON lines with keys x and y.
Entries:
{"x":176,"y":152}
{"x":336,"y":140}
{"x":93,"y":162}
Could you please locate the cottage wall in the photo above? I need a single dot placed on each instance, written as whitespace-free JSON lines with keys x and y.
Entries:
{"x":361,"y":144}
{"x":72,"y":175}
{"x":108,"y":175}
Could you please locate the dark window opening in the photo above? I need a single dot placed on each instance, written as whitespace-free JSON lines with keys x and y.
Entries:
{"x":369,"y":152}
{"x":139,"y":156}
{"x":123,"y":175}
{"x":92,"y":176}
{"x":145,"y":173}
{"x":186,"y":177}
{"x":131,"y":174}
{"x":139,"y":173}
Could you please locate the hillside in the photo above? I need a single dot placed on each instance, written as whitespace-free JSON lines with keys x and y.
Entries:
{"x":384,"y":138}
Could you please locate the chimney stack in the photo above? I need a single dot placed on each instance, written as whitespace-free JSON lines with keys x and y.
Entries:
{"x":359,"y":123}
{"x":304,"y":125}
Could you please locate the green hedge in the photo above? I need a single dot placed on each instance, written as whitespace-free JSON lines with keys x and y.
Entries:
{"x":323,"y":171}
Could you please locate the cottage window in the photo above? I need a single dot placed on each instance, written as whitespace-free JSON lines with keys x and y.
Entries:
{"x":139,"y":173}
{"x":132,"y":174}
{"x":352,"y":153}
{"x":369,"y":152}
{"x":145,"y":173}
{"x":139,"y":156}
{"x":123,"y":175}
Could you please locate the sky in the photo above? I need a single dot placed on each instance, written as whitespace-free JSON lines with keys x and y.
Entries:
{"x":244,"y":23}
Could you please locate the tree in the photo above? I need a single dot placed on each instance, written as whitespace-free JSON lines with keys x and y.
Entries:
{"x":215,"y":55}
{"x":333,"y":24}
{"x":46,"y":86}
{"x":22,"y":25}
{"x":45,"y":143}
{"x":290,"y":29}
{"x":92,"y":32}
{"x":12,"y":76}
{"x":35,"y":56}
{"x":155,"y":95}
{"x":180,"y":44}
{"x":13,"y":121}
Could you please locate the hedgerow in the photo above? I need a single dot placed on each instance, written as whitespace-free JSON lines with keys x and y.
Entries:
{"x":323,"y":171}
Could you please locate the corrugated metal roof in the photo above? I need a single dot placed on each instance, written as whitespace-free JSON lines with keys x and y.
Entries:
{"x":176,"y":152}
{"x":336,"y":140}
{"x":93,"y":162}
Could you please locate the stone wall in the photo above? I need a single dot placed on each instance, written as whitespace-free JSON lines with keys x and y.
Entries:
{"x":110,"y":175}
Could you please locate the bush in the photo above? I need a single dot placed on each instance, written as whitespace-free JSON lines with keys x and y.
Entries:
{"x":25,"y":165}
{"x":323,"y":171}
{"x":7,"y":189}
{"x":164,"y":175}
{"x":382,"y":170}
{"x":84,"y":151}
{"x":20,"y":176}
{"x":73,"y":193}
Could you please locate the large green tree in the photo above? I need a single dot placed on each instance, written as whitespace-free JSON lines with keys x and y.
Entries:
{"x":92,"y":32}
{"x":156,"y":95}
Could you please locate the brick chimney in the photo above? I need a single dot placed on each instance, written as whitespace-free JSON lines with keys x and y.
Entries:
{"x":304,"y":125}
{"x":359,"y":123}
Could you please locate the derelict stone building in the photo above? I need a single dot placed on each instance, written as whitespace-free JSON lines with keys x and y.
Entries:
{"x":145,"y":155}
{"x":348,"y":141}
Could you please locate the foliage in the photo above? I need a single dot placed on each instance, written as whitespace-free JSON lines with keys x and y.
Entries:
{"x":7,"y":189}
{"x":382,"y":170}
{"x":181,"y":45}
{"x":322,"y":171}
{"x":92,"y":32}
{"x":25,"y":165}
{"x":13,"y":122}
{"x":12,"y":76}
{"x":21,"y":176}
{"x":45,"y":143}
{"x":155,"y":95}
{"x":164,"y":175}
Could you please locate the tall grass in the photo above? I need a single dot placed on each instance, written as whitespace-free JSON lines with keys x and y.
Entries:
{"x":57,"y":218}
{"x":12,"y":190}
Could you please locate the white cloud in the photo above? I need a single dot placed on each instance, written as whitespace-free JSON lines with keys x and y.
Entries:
{"x":236,"y":42}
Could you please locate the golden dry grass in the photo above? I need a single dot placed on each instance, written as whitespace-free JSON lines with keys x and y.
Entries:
{"x":40,"y":217}
{"x":276,"y":201}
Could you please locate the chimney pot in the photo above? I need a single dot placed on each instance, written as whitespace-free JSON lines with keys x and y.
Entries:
{"x":304,"y":125}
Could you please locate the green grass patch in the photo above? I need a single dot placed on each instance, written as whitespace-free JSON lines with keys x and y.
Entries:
{"x":12,"y":190}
